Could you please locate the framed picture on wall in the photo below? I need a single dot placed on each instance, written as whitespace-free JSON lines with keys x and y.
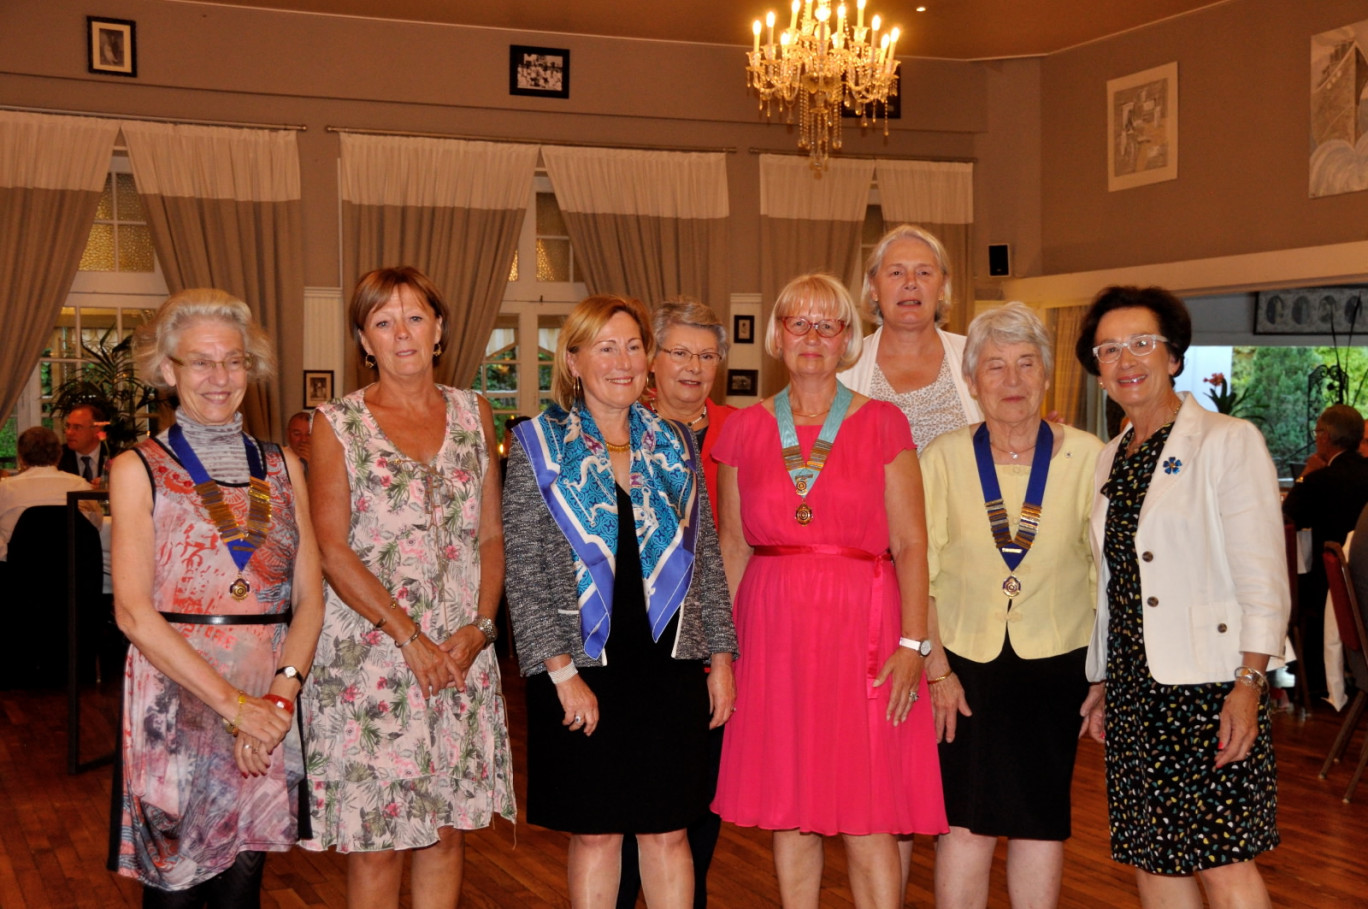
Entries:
{"x":1311,"y":311}
{"x":743,"y":329}
{"x":1142,"y":128}
{"x":111,"y":47}
{"x":743,"y":382}
{"x":318,"y":387}
{"x":542,"y":72}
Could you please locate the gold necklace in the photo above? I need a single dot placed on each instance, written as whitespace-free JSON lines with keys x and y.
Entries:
{"x":618,"y":449}
{"x":1135,"y":442}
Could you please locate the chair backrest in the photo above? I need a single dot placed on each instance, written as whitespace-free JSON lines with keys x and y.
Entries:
{"x":1290,"y":550}
{"x":1342,"y":596}
{"x":38,"y":548}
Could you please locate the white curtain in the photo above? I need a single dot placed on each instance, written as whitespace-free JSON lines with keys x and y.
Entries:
{"x":808,"y":222}
{"x":939,"y":196}
{"x":52,"y":172}
{"x":224,"y":207}
{"x":451,"y":209}
{"x":647,"y":224}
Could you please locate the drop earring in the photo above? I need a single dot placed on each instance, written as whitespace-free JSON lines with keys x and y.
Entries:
{"x":579,"y":389}
{"x":437,"y":351}
{"x":369,"y":361}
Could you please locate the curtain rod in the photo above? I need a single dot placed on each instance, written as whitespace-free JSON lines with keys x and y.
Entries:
{"x":179,"y":121}
{"x":409,"y":134}
{"x":836,"y":156}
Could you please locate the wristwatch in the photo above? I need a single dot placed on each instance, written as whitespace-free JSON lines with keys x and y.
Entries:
{"x":922,"y":647}
{"x":292,"y":673}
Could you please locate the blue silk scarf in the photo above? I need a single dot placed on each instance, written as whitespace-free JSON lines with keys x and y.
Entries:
{"x":575,"y":477}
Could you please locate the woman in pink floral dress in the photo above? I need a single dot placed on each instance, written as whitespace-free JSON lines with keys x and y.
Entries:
{"x":406,"y":736}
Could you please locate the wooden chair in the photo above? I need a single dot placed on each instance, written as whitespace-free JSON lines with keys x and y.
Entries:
{"x":1350,"y":620}
{"x":1294,"y":621}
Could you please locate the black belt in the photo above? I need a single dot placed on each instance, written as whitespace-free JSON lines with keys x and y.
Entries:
{"x":207,"y":618}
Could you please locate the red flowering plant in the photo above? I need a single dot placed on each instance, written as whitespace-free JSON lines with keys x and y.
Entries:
{"x":1227,"y":401}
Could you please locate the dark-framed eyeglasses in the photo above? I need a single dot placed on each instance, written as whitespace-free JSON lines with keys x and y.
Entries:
{"x":1138,"y":345}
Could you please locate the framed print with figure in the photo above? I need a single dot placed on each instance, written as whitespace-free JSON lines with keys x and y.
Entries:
{"x":318,"y":387}
{"x":111,"y":47}
{"x":1142,"y":128}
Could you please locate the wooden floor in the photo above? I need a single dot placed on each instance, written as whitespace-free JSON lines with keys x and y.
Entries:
{"x":53,"y":830}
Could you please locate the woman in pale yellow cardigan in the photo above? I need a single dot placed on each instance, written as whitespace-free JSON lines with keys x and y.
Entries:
{"x":1015,"y":610}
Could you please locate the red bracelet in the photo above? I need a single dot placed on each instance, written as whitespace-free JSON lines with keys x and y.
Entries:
{"x":279,"y":702}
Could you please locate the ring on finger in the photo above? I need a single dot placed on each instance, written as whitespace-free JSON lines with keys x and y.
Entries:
{"x":246,"y":747}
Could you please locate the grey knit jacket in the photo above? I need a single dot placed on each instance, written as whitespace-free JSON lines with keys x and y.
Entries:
{"x":539,"y":580}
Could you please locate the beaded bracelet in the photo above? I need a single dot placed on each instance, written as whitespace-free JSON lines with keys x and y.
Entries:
{"x":563,"y":674}
{"x":232,"y":728}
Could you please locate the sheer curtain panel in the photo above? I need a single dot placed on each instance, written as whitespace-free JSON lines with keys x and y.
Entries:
{"x":939,"y":196}
{"x":449,"y":208}
{"x":648,"y":224}
{"x":224,"y":207}
{"x":52,"y":171}
{"x":808,"y":222}
{"x":1067,"y":387}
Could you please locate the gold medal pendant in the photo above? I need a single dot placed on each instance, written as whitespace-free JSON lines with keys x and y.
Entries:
{"x":1011,"y":586}
{"x":239,"y":589}
{"x":804,"y":514}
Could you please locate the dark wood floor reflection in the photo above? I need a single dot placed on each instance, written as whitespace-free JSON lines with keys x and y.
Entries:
{"x":53,"y":833}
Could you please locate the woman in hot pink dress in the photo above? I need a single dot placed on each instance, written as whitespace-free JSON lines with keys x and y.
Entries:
{"x":827,"y":562}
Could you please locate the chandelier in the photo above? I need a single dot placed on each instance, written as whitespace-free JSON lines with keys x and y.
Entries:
{"x":818,"y":66}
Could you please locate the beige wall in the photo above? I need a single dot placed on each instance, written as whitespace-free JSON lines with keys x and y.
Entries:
{"x":1243,"y":73}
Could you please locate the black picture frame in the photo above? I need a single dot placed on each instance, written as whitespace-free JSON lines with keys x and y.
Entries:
{"x":538,"y":72}
{"x":743,"y":383}
{"x":743,"y":329}
{"x":318,"y":387}
{"x":112,"y":48}
{"x":1311,"y":311}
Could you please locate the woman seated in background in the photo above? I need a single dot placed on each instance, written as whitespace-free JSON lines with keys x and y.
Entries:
{"x":1013,"y":585}
{"x":908,"y":360}
{"x":1192,"y":609}
{"x":38,"y":482}
{"x":691,"y":344}
{"x":824,"y":540}
{"x":407,"y":735}
{"x":617,"y":596}
{"x":217,"y":586}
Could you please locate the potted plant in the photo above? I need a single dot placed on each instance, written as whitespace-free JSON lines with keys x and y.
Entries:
{"x":108,"y":380}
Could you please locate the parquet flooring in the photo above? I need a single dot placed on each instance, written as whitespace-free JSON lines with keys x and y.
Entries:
{"x":53,"y":830}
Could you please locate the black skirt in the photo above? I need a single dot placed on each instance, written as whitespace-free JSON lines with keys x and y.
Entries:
{"x":1010,"y":768}
{"x":646,"y":767}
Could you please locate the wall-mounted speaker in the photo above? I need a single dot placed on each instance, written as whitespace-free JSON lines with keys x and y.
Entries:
{"x":999,"y":260}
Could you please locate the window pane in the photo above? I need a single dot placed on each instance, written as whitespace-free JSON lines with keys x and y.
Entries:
{"x":135,"y":247}
{"x":872,"y":229}
{"x":128,"y":203}
{"x":550,"y":222}
{"x":99,"y":251}
{"x":105,"y":210}
{"x":500,"y":377}
{"x":501,"y":339}
{"x":513,"y":269}
{"x":553,"y":260}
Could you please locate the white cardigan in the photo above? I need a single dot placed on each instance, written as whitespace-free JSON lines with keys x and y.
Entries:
{"x":861,"y":376}
{"x":1210,"y":546}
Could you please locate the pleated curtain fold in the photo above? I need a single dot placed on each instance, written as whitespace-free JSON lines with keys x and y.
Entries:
{"x":52,"y":172}
{"x":451,"y":209}
{"x":224,"y":208}
{"x":1067,"y":393}
{"x":808,"y":223}
{"x":647,"y":224}
{"x":939,"y":196}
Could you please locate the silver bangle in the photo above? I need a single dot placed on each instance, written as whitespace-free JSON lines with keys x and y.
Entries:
{"x":563,"y":674}
{"x":1252,"y":677}
{"x":417,"y":631}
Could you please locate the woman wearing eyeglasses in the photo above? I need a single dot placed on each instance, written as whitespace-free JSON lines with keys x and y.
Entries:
{"x":824,"y":541}
{"x":909,"y":360}
{"x":1192,"y":610}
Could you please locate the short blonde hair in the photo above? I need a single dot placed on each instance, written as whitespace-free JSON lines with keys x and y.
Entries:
{"x":875,"y":263}
{"x":583,"y":325}
{"x":157,"y":340}
{"x":819,"y":295}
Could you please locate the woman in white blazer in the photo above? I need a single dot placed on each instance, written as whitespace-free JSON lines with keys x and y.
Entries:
{"x":1192,"y":609}
{"x":909,"y":361}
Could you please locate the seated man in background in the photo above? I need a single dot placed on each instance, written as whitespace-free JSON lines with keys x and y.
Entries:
{"x":85,"y":452}
{"x":1327,"y":499}
{"x":297,"y":434}
{"x":39,"y":482}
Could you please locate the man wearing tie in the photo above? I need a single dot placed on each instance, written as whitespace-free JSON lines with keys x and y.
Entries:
{"x":84,"y":454}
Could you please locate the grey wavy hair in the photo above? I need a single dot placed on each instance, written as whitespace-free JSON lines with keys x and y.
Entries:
{"x":689,"y":313}
{"x":156,"y":341}
{"x":875,"y":263}
{"x":1014,"y":323}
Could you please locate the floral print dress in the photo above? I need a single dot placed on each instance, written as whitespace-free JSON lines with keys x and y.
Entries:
{"x":387,"y":767}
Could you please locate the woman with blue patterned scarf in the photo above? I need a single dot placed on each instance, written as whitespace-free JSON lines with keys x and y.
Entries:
{"x":617,"y":622}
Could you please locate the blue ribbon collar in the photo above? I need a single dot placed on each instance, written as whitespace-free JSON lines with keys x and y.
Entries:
{"x":1013,"y":550}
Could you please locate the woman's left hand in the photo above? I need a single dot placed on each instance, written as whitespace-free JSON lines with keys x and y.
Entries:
{"x":464,"y":646}
{"x":902,"y":670}
{"x":252,"y":755}
{"x":721,"y":691}
{"x":1239,"y":724}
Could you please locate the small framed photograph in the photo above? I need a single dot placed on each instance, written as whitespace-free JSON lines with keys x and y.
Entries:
{"x":111,"y":46}
{"x":743,"y":382}
{"x":541,"y":72}
{"x":318,"y":387}
{"x":743,"y":329}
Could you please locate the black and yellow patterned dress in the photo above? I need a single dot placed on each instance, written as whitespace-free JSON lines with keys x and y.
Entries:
{"x":1172,"y":811}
